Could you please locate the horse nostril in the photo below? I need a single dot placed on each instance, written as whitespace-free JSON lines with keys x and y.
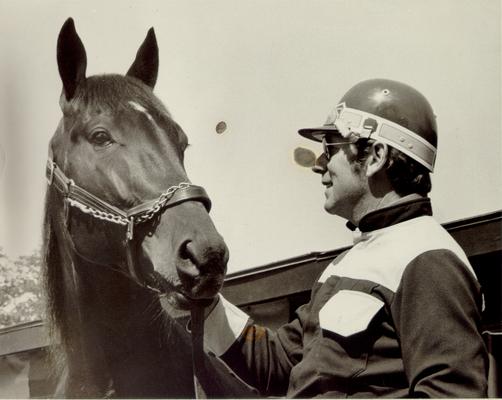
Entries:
{"x":188,"y":252}
{"x":206,"y":259}
{"x":184,"y":251}
{"x":189,"y":266}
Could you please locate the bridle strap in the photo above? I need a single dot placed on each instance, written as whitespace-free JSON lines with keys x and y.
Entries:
{"x":68,"y":187}
{"x":89,"y":203}
{"x":55,"y":176}
{"x":189,"y":193}
{"x":76,"y":196}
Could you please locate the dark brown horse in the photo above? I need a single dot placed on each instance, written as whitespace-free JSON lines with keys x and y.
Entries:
{"x":126,"y":235}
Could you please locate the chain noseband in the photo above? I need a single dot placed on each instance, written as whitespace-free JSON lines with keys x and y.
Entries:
{"x":75,"y":196}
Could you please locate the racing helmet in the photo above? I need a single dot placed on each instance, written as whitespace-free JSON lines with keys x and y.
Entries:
{"x":388,"y":111}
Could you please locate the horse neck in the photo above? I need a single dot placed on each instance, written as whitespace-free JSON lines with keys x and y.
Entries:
{"x":147,"y":354}
{"x":116,"y":331}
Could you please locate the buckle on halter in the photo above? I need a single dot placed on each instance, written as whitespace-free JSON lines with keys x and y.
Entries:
{"x":68,"y":187}
{"x":130,"y":228}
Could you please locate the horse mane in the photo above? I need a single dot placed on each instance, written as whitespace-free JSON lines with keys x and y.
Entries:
{"x":62,"y":294}
{"x":52,"y":275}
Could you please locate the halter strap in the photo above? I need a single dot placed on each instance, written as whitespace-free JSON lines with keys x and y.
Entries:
{"x":76,"y":196}
{"x":88,"y":203}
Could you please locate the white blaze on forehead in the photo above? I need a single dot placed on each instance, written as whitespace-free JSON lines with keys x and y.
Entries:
{"x":140,"y":108}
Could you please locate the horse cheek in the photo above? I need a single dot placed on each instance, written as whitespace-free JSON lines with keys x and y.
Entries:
{"x":157,"y":253}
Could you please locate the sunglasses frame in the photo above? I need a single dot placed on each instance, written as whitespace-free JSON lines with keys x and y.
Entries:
{"x":326,"y":145}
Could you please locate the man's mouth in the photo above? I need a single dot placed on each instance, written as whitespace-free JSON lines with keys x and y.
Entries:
{"x":326,"y":183}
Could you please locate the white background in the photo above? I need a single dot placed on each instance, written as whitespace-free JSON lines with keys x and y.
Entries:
{"x":267,"y":68}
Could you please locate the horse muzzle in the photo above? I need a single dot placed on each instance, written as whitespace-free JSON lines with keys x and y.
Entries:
{"x":201,"y":268}
{"x":185,"y":249}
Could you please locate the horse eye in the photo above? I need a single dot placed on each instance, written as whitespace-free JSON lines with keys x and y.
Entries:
{"x":101,"y":138}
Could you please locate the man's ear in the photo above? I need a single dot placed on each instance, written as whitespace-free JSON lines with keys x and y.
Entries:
{"x":377,"y":158}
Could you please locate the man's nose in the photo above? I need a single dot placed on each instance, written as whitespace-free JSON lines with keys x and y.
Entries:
{"x":321,"y":164}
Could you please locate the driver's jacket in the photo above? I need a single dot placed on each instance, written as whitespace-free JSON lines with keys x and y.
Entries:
{"x":396,"y":315}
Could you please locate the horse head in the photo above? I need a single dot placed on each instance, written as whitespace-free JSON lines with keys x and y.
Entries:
{"x":127,"y":199}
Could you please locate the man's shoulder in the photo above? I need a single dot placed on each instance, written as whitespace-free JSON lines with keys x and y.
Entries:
{"x":382,"y":256}
{"x":417,"y":236}
{"x":411,"y":238}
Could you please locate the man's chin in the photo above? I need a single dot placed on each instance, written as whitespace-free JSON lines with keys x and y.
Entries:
{"x":329,"y":208}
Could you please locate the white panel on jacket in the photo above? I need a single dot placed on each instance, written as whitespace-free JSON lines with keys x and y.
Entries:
{"x":349,"y":312}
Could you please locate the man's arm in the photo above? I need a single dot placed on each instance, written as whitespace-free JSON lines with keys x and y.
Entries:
{"x":436,"y":311}
{"x":259,"y":356}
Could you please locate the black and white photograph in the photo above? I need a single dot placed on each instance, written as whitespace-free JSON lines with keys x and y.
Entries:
{"x":250,"y":199}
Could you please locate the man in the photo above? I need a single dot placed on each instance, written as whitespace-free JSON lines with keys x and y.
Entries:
{"x":396,"y":315}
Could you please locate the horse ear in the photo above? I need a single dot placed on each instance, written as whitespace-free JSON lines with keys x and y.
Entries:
{"x":146,"y":65}
{"x":72,"y":59}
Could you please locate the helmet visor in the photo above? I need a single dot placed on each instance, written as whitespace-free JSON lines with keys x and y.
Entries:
{"x":338,"y":119}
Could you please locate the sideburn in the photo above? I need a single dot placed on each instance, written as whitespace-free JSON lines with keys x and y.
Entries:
{"x":357,"y":154}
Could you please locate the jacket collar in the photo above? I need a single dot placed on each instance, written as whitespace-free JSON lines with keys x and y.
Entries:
{"x":393,"y":214}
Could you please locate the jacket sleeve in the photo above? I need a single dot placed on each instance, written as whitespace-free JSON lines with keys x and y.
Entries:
{"x":436,"y":310}
{"x":260,"y":357}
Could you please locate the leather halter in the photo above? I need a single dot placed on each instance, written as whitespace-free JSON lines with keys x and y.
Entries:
{"x":87,"y":202}
{"x":78,"y":197}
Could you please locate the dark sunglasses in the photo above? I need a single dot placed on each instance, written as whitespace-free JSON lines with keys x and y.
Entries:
{"x":331,"y":148}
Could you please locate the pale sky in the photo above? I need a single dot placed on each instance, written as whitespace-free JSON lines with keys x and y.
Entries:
{"x":266,"y":68}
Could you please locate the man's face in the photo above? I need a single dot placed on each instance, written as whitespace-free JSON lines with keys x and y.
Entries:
{"x":345,"y":183}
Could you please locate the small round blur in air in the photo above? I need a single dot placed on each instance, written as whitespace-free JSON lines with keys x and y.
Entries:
{"x":221,"y":127}
{"x":304,"y":157}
